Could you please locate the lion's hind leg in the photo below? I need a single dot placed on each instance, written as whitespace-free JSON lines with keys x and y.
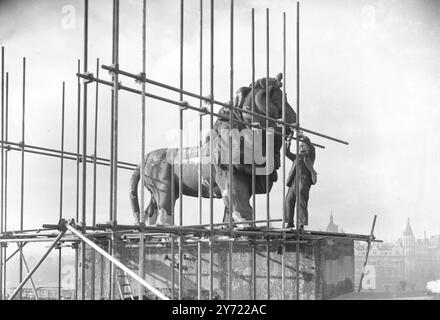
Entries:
{"x":151,"y":212}
{"x":165,"y":207}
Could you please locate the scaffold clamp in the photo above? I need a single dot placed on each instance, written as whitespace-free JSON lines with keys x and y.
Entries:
{"x":88,"y":77}
{"x":141,"y":227}
{"x":141,"y":78}
{"x":111,"y":225}
{"x":184,"y":105}
{"x":62,"y":224}
{"x":113,"y":69}
{"x":209,"y":99}
{"x":203,"y":111}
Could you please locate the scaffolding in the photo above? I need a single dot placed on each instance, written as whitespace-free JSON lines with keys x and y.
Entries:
{"x":79,"y":235}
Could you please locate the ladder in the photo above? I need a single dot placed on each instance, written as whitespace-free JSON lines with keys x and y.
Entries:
{"x":124,"y":287}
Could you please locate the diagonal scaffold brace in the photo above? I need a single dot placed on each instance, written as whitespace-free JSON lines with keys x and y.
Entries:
{"x":70,"y":225}
{"x":370,"y":239}
{"x":34,"y":289}
{"x":54,"y":243}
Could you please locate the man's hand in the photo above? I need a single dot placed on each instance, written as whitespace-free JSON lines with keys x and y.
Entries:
{"x":288,"y":142}
{"x":304,"y":138}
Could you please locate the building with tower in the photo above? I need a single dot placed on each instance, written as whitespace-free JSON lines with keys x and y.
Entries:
{"x":405,"y":264}
{"x":409,"y":246}
{"x":332,"y":226}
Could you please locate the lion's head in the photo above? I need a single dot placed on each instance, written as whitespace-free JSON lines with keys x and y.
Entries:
{"x":243,"y":100}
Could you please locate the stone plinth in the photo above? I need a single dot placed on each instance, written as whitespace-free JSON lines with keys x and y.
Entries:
{"x":326,"y":269}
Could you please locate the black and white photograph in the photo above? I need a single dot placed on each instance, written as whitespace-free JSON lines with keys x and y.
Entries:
{"x":227,"y":150}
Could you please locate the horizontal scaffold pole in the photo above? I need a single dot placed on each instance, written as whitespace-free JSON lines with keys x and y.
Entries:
{"x":186,"y":228}
{"x":196,"y":231}
{"x":235,"y":222}
{"x":207,"y":99}
{"x":189,"y":232}
{"x":194,"y":95}
{"x":185,"y":105}
{"x":8,"y":145}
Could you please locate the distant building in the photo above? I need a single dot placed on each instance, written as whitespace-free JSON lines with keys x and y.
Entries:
{"x":401,"y":265}
{"x":409,"y":251}
{"x":332,"y":226}
{"x":43,"y":292}
{"x":385,"y":266}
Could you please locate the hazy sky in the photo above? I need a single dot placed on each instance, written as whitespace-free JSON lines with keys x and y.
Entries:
{"x":370,"y":74}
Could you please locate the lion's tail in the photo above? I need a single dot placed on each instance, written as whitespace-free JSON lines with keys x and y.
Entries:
{"x":134,"y":182}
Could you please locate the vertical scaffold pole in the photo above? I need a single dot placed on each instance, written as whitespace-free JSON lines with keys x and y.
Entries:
{"x":181,"y":146}
{"x":2,"y":168}
{"x":231,"y":126}
{"x":173,"y":200}
{"x":61,"y":182}
{"x":23,"y":117}
{"x":173,"y":280}
{"x":110,"y":242}
{"x":5,"y":221}
{"x":172,"y":236}
{"x":115,"y":111}
{"x":95,"y":154}
{"x":283,"y":247}
{"x":267,"y":155}
{"x":181,"y":113}
{"x":142,"y":217}
{"x":78,"y":161}
{"x":84,"y":153}
{"x":180,"y":243}
{"x":254,"y":249}
{"x":267,"y":121}
{"x":101,"y":277}
{"x":297,"y":167}
{"x":199,"y":171}
{"x":114,"y":167}
{"x":211,"y":161}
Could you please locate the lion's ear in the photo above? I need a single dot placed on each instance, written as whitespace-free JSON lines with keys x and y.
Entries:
{"x":262,"y":83}
{"x":279,"y":77}
{"x":240,"y":96}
